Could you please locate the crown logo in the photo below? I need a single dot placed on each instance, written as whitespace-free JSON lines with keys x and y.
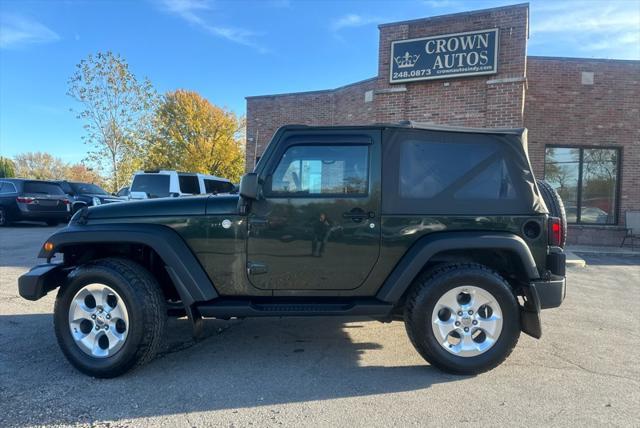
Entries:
{"x":407,"y":60}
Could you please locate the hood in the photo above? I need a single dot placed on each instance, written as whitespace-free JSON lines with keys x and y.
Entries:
{"x":167,"y":207}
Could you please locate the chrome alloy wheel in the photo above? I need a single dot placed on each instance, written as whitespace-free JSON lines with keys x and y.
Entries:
{"x":98,"y":320}
{"x":467,"y":321}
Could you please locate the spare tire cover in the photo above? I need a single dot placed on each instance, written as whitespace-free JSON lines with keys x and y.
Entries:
{"x":555,"y":206}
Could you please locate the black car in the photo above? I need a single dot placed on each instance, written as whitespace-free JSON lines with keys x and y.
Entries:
{"x":86,"y":194}
{"x":35,"y":200}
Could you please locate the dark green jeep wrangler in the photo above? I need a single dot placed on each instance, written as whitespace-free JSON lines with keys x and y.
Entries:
{"x":445,"y":229}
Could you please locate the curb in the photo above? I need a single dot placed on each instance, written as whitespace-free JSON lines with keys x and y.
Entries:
{"x":574,"y":260}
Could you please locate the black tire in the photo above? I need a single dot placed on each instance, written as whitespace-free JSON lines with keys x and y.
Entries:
{"x":52,"y":222}
{"x":145,"y":305}
{"x":4,"y":220}
{"x":555,"y":205}
{"x":420,"y":304}
{"x":77,"y":207}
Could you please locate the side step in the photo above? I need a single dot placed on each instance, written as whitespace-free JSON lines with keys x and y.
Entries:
{"x":229,"y":308}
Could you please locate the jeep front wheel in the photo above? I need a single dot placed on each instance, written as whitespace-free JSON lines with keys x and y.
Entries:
{"x":463,"y":318}
{"x":109,"y":317}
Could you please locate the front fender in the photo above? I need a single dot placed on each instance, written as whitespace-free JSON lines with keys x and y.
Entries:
{"x":188,"y":276}
{"x":425,"y":248}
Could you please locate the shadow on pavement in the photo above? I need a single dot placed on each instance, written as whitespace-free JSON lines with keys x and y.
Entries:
{"x":240,"y":364}
{"x":32,"y":224}
{"x":610,"y":259}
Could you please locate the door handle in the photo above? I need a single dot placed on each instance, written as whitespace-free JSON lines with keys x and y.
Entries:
{"x":358,"y":214}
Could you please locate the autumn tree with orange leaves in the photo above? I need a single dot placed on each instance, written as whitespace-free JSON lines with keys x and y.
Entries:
{"x":192,"y":134}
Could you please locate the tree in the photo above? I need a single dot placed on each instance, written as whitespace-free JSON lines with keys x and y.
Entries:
{"x":196,"y":136}
{"x":40,"y":166}
{"x":45,"y":166}
{"x":7,"y":168}
{"x":80,"y":172}
{"x":116,"y":109}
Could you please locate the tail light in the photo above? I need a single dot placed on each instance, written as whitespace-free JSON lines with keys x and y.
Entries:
{"x":555,"y":231}
{"x":25,"y":200}
{"x":66,"y":201}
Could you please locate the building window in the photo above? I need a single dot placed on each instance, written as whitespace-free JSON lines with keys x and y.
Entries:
{"x":587,"y":181}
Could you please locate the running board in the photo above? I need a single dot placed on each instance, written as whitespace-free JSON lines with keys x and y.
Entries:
{"x":227,"y":308}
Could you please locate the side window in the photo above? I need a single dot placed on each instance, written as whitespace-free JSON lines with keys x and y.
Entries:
{"x":464,"y":170}
{"x":321,"y":170}
{"x":216,"y":186}
{"x":189,"y":184}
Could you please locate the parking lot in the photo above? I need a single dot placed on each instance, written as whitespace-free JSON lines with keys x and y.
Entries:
{"x":324,"y":371}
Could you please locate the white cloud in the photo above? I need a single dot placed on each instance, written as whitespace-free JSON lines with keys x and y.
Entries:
{"x":19,"y":31}
{"x":610,"y":29}
{"x":192,"y":11}
{"x":352,"y":20}
{"x":438,"y":4}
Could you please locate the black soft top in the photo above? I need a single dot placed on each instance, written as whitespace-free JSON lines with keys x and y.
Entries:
{"x":508,"y":145}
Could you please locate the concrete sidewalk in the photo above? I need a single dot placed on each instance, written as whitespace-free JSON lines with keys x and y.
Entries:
{"x":573,"y":251}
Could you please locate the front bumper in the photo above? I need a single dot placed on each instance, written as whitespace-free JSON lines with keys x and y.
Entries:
{"x":41,"y":279}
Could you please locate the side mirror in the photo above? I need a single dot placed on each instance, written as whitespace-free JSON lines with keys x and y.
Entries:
{"x":249,"y":186}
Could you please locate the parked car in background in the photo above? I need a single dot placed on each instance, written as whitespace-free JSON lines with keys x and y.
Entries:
{"x":123,"y":193}
{"x":35,"y":200}
{"x":86,"y":194}
{"x":165,"y":183}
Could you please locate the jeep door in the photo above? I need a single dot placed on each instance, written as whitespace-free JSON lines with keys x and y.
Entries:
{"x":316,"y":226}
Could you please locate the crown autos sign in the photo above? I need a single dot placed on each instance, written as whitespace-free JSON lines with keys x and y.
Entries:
{"x":440,"y":57}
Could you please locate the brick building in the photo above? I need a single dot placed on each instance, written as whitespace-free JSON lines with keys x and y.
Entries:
{"x":582,"y":114}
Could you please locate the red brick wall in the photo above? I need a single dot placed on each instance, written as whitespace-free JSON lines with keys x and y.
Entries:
{"x":559,"y":109}
{"x":483,"y":101}
{"x":342,"y":106}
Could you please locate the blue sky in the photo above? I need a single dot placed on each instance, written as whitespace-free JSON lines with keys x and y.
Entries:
{"x":227,"y":50}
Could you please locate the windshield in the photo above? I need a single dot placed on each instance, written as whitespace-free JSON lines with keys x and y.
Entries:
{"x":87,"y":188}
{"x":154,"y":185}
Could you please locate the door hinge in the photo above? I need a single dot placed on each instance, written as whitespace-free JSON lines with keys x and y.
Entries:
{"x":254,"y":268}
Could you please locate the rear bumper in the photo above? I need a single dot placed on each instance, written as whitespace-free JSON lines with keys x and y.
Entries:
{"x":43,"y":215}
{"x":540,"y":294}
{"x":41,"y":279}
{"x":550,"y":293}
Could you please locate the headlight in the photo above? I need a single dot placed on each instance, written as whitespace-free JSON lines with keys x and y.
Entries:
{"x":96,"y":201}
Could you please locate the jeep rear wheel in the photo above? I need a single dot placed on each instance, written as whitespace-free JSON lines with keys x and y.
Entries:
{"x":463,"y":318}
{"x":109,"y":317}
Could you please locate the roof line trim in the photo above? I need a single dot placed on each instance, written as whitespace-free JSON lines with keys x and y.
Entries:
{"x":320,"y":91}
{"x":450,"y":15}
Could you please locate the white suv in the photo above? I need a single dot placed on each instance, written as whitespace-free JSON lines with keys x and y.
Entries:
{"x":163,"y":184}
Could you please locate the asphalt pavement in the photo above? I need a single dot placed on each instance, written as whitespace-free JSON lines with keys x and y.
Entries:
{"x":330,"y":371}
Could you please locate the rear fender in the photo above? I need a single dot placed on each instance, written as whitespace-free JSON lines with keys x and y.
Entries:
{"x":425,"y":248}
